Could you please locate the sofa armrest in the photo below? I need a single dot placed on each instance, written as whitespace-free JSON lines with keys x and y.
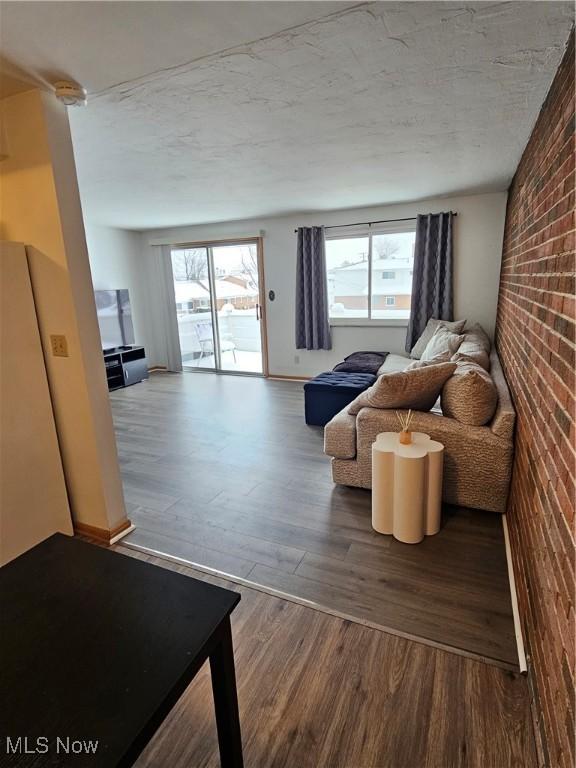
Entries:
{"x":371,"y":421}
{"x":505,"y":415}
{"x":477,"y":463}
{"x":340,"y":436}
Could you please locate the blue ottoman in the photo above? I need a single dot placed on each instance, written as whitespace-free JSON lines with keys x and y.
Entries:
{"x":329,"y":392}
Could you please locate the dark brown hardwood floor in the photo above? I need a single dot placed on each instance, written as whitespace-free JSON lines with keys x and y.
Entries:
{"x":222,"y":471}
{"x":316,"y":691}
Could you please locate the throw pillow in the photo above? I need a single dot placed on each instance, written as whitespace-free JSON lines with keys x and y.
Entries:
{"x":443,"y":357}
{"x":479,"y":334}
{"x":418,"y":389}
{"x":362,"y":362}
{"x":442,"y":343}
{"x":470,"y":396}
{"x":456,"y":326}
{"x":475,"y":347}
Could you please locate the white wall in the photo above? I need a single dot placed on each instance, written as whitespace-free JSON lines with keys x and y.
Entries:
{"x":40,"y":207}
{"x":477,"y":246}
{"x":117,"y":261}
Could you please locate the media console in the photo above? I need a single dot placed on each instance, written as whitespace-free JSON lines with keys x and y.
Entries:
{"x":125,"y":366}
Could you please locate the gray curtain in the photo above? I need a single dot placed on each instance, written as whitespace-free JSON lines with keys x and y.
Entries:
{"x":312,"y":325}
{"x":432,"y":294}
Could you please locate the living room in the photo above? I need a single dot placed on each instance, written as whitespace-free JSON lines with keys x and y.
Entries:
{"x":369,"y":145}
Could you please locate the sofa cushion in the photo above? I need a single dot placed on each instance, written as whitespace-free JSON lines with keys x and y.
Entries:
{"x":394,"y":363}
{"x":475,"y":347}
{"x":478,"y":334}
{"x":417,"y":389}
{"x":456,"y":326}
{"x":470,"y":396}
{"x":442,"y":345}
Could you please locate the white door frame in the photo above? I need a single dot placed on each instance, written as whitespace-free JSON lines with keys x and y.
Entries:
{"x":261,"y":308}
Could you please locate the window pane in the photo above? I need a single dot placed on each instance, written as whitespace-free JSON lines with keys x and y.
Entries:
{"x":392,"y":265}
{"x":237,"y":296}
{"x":347,"y":266}
{"x":192,"y":293}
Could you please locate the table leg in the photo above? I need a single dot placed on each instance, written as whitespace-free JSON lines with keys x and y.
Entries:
{"x":226,"y":700}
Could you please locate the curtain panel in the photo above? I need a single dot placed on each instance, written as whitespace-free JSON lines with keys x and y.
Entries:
{"x":167,"y":332}
{"x":432,"y":291}
{"x":312,"y":323}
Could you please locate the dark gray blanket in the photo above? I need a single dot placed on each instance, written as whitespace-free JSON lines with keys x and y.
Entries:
{"x":362,"y":362}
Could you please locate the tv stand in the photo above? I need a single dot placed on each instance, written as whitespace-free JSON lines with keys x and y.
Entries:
{"x":125,"y":366}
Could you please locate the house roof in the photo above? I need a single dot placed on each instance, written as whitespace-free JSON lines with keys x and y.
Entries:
{"x":394,"y":265}
{"x":187,"y":290}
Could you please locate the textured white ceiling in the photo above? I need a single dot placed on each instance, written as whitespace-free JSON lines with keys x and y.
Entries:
{"x":378,"y":103}
{"x":101,"y":44}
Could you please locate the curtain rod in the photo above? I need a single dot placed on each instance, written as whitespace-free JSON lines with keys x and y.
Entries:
{"x":381,"y":221}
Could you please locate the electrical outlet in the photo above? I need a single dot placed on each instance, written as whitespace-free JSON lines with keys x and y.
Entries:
{"x":296,"y":359}
{"x":59,"y":345}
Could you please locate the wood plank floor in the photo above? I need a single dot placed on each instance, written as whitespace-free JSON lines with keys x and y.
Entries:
{"x":222,"y":471}
{"x":316,"y":691}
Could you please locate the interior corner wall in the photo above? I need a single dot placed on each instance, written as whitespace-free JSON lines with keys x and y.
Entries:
{"x":477,"y":246}
{"x":40,"y":207}
{"x":535,"y":337}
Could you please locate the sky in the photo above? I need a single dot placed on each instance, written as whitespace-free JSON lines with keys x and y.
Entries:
{"x":355,"y":249}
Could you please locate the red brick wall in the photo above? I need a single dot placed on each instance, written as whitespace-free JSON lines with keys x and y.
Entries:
{"x":535,"y":339}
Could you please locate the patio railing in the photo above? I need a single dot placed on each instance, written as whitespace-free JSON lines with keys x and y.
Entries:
{"x":238,"y":326}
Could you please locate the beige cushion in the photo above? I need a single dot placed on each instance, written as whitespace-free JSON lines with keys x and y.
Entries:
{"x":417,"y":389}
{"x":393,"y":363}
{"x":456,"y":326}
{"x":475,"y":347}
{"x":478,"y":333}
{"x":442,"y":345}
{"x":444,"y":357}
{"x":470,"y":396}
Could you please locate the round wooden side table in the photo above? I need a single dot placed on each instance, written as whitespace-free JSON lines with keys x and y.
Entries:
{"x":406,"y":486}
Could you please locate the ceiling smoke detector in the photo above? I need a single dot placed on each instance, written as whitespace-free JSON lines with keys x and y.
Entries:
{"x":70,"y":94}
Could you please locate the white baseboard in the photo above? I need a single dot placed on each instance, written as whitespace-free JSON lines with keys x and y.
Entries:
{"x":514,"y":597}
{"x":122,"y":534}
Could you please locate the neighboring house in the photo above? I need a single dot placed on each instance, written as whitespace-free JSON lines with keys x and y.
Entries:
{"x":391,"y":281}
{"x":194,"y":296}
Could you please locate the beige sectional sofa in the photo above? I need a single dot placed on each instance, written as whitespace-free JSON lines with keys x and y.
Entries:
{"x":477,"y":460}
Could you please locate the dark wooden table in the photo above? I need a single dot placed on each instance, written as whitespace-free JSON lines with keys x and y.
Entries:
{"x":96,"y":646}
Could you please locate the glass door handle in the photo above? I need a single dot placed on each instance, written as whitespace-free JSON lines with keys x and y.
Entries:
{"x":257,"y":311}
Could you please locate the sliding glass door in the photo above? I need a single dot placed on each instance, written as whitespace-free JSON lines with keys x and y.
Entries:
{"x":191,"y":270}
{"x":219,"y":308}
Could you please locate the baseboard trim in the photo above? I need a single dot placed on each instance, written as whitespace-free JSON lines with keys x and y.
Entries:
{"x":104,"y":535}
{"x":514,"y":597}
{"x":319,"y":607}
{"x":123,"y":533}
{"x":272,"y":376}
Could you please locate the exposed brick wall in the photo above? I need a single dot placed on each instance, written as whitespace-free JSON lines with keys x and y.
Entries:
{"x":535,"y":339}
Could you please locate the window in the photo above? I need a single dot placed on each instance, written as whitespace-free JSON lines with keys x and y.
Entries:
{"x":347,"y":265}
{"x":370,"y":274}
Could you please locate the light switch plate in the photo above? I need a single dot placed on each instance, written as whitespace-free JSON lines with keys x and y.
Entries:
{"x":59,"y":345}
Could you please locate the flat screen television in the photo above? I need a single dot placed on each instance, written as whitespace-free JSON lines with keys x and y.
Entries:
{"x":114,"y":318}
